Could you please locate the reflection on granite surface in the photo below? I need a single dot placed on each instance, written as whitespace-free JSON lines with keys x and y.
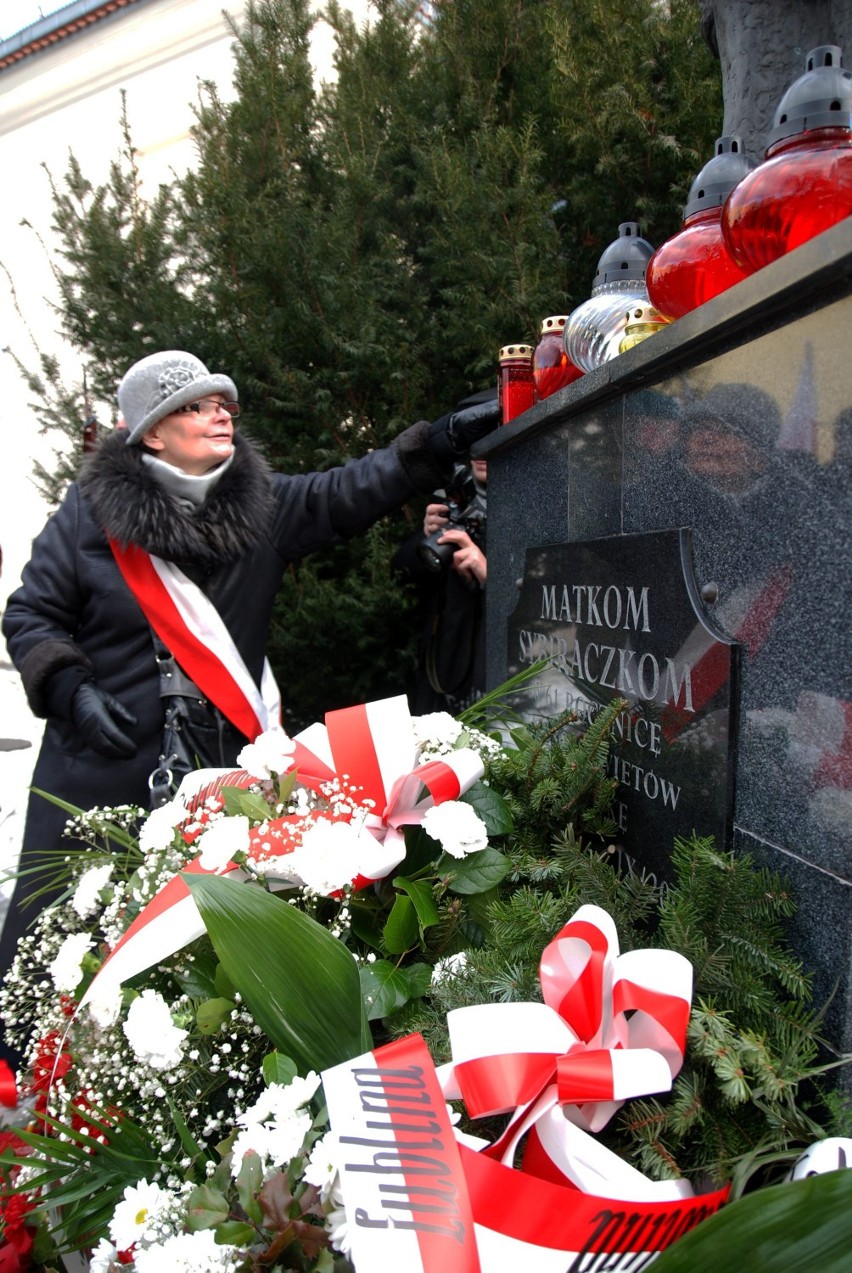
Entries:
{"x":763,"y":482}
{"x":735,"y":423}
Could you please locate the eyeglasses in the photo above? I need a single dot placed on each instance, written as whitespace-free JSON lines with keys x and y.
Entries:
{"x":209,"y":406}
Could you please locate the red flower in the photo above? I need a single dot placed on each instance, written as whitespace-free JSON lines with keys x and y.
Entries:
{"x":15,"y":1232}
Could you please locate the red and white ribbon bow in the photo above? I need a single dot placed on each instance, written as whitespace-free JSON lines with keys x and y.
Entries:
{"x":373,"y":748}
{"x":611,"y":1027}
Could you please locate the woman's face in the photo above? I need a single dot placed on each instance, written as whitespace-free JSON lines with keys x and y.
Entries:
{"x":194,"y":441}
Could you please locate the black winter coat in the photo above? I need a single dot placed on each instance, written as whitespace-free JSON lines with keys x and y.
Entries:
{"x":74,"y":618}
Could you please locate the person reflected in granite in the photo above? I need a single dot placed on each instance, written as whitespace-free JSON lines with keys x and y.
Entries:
{"x":775,"y":523}
{"x":652,"y":438}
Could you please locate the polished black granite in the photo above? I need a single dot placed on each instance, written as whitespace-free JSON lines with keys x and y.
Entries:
{"x":735,"y":422}
{"x":619,"y":618}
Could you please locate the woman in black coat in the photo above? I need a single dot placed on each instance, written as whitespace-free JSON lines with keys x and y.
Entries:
{"x":175,"y":491}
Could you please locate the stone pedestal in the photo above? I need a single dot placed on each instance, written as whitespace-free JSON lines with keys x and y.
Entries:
{"x":734,"y":423}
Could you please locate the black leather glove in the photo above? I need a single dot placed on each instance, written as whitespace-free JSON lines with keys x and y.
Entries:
{"x":98,"y":716}
{"x":451,"y":437}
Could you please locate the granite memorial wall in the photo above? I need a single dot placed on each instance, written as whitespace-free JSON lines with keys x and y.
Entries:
{"x":710,"y":466}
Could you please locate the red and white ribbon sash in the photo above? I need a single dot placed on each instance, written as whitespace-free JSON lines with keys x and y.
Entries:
{"x":403,"y":1185}
{"x":415,"y":1200}
{"x":191,"y":628}
{"x":372,"y":747}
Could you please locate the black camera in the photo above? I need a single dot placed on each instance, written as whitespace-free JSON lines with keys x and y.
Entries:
{"x":465,"y":509}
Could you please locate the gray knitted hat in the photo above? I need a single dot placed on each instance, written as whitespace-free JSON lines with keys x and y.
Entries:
{"x":157,"y":385}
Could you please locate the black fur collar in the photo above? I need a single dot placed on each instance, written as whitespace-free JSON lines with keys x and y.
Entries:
{"x":131,"y":506}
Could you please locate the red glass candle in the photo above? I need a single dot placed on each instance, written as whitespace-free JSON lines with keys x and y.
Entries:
{"x":692,"y":266}
{"x":515,"y":385}
{"x":695,"y":264}
{"x":804,"y":186}
{"x":552,"y":368}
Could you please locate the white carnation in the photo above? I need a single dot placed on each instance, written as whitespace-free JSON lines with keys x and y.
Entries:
{"x":158,"y":830}
{"x":222,"y":840}
{"x":65,"y":969}
{"x":86,"y":898}
{"x":457,"y":827}
{"x":152,"y":1034}
{"x":436,"y":731}
{"x":104,"y":1002}
{"x":330,"y":855}
{"x":270,"y":754}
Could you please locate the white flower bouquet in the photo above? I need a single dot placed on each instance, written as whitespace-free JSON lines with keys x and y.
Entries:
{"x":176,"y":1005}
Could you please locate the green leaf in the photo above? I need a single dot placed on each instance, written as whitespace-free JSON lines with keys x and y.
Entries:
{"x":197,"y":977}
{"x":476,"y":873}
{"x":249,"y":1181}
{"x":386,"y":988}
{"x":234,"y":1233}
{"x":419,"y":979}
{"x":278,"y":1068}
{"x":206,"y":1208}
{"x":298,"y":982}
{"x":248,"y":803}
{"x":402,"y":930}
{"x":188,"y":1141}
{"x":420,"y":892}
{"x":420,"y":851}
{"x":803,"y":1224}
{"x":491,"y":807}
{"x":224,"y":986}
{"x":211,"y":1014}
{"x":366,"y":923}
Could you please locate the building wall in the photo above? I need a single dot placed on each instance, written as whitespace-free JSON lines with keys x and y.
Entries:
{"x":67,"y":98}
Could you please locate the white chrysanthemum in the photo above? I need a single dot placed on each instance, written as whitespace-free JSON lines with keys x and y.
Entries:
{"x":322,"y":1168}
{"x":104,"y":1256}
{"x":152,"y":1034}
{"x":65,"y":969}
{"x":186,"y":1253}
{"x":337,"y":1225}
{"x":274,"y":1143}
{"x":449,"y":966}
{"x":86,"y":898}
{"x":280,"y":1100}
{"x":158,"y":830}
{"x":222,"y":840}
{"x":457,"y":827}
{"x":275,"y":1126}
{"x":142,"y":1206}
{"x":271,"y":753}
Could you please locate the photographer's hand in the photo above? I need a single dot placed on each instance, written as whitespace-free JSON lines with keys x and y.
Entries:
{"x":468,"y":560}
{"x":436,"y":516}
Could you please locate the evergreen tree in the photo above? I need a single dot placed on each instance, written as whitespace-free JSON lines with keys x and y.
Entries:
{"x":355,"y":254}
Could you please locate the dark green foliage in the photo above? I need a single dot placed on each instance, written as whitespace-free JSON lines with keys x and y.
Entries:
{"x":749,"y":1096}
{"x":355,"y":254}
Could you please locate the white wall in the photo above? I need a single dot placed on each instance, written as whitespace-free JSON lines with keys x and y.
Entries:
{"x":68,"y":99}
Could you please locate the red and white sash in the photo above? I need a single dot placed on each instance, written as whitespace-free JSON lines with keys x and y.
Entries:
{"x":190,"y":626}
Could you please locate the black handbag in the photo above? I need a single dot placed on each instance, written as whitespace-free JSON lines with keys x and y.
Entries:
{"x":194,"y":730}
